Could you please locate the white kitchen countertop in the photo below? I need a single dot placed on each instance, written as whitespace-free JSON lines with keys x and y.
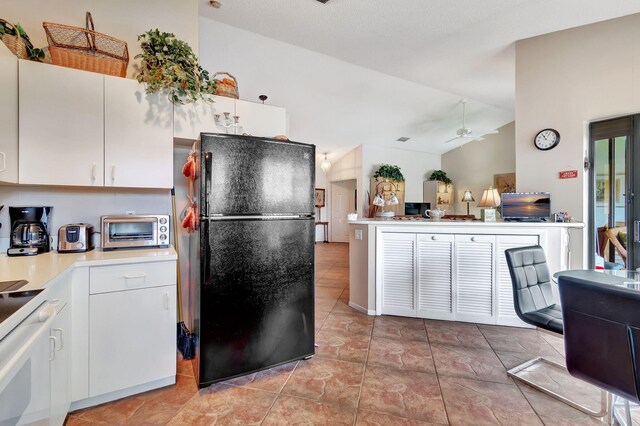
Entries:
{"x":42,"y":269}
{"x":449,"y":222}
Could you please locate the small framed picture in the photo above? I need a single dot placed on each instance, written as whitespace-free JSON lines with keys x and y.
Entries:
{"x":319,"y":197}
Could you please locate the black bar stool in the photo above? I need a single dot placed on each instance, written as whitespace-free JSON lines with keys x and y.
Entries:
{"x":533,"y":303}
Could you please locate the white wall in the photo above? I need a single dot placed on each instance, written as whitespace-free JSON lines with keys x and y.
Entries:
{"x":472,"y":165}
{"x":565,"y":80}
{"x":72,"y":205}
{"x":122,"y":19}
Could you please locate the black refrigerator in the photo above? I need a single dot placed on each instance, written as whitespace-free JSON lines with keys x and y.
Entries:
{"x":252,"y":293}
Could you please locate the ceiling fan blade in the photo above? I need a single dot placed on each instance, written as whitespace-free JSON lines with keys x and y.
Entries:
{"x":451,"y":140}
{"x":493,"y":132}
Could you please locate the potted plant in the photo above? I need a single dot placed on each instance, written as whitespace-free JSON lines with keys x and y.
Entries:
{"x":170,"y":64}
{"x":389,"y":171}
{"x":440,"y":176}
{"x":16,"y":39}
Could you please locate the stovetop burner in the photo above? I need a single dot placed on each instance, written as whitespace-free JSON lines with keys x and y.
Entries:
{"x":10,"y":302}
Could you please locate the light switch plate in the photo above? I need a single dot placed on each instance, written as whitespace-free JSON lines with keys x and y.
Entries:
{"x":358,"y":234}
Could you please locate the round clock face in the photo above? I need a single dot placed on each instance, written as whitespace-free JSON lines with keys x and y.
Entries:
{"x":547,"y":139}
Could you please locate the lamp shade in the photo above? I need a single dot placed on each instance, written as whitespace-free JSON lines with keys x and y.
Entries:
{"x":490,"y":198}
{"x":467,"y":197}
{"x":325,"y":164}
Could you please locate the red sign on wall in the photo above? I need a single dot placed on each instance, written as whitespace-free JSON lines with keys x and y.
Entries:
{"x":569,"y":174}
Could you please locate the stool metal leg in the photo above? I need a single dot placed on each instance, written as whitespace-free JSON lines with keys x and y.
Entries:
{"x":513,"y":373}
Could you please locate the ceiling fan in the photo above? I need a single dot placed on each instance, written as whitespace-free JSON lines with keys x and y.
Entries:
{"x":465,"y":132}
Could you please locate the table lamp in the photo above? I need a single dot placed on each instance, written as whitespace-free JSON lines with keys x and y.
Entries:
{"x":468,"y":198}
{"x":490,"y":200}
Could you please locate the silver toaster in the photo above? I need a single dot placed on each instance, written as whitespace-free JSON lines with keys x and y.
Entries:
{"x":75,"y":238}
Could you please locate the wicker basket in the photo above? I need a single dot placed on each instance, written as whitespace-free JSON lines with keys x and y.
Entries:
{"x":86,"y":49}
{"x":15,"y":44}
{"x":228,"y":90}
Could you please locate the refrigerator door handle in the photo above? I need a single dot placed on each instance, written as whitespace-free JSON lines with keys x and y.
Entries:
{"x":207,"y":184}
{"x":258,"y":217}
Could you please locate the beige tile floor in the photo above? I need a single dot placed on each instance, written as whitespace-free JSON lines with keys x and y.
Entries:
{"x":368,"y":371}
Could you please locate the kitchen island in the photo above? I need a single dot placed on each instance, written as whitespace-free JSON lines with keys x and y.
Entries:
{"x":101,"y":326}
{"x":448,"y":269}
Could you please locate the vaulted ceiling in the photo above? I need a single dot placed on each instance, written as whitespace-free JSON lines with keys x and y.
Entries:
{"x":462,"y":47}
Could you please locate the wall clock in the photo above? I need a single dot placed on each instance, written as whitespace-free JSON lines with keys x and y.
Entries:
{"x":547,"y":139}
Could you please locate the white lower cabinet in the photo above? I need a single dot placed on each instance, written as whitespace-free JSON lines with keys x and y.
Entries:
{"x":60,"y":359}
{"x":132,"y":332}
{"x":435,"y":276}
{"x":132,"y":338}
{"x":475,"y":277}
{"x":398,"y":274}
{"x":459,"y":277}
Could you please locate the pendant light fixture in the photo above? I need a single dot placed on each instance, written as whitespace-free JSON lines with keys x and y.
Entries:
{"x":325,"y":164}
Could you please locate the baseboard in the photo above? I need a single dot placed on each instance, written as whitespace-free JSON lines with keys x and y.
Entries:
{"x":112,"y":396}
{"x":361,"y":309}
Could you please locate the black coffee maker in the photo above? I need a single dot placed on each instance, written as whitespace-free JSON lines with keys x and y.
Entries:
{"x":29,"y":230}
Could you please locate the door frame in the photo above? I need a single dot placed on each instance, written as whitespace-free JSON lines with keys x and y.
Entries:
{"x":632,"y":180}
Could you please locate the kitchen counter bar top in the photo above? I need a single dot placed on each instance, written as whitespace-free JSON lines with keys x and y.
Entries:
{"x":469,"y":223}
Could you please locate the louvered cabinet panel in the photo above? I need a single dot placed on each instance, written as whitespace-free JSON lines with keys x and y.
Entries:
{"x":435,"y":276}
{"x":398,"y":274}
{"x":506,"y":312}
{"x":474,"y":256}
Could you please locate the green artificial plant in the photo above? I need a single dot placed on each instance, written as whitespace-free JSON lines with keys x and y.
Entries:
{"x":34,"y":53}
{"x":170,"y":64}
{"x":389,"y":171}
{"x":441,"y":176}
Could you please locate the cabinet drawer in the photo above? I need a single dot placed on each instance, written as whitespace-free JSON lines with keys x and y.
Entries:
{"x":105,"y":279}
{"x":58,"y":289}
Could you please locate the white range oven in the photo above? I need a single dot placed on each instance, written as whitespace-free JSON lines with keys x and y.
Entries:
{"x":25,"y":368}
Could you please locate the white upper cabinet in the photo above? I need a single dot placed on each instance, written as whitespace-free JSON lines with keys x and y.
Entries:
{"x":254,"y":119}
{"x":261,"y":120}
{"x":61,"y":125}
{"x":138,"y":136}
{"x":192,"y":119}
{"x":8,"y":116}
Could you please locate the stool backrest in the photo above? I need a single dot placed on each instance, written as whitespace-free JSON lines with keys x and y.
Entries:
{"x":530,"y":279}
{"x":602,"y":334}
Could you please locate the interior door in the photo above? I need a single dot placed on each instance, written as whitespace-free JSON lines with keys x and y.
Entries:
{"x":612,"y":187}
{"x":342,"y":203}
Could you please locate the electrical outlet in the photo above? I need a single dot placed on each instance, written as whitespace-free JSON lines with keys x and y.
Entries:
{"x":358,"y":235}
{"x":130,"y":212}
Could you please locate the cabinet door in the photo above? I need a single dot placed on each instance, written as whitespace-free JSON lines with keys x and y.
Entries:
{"x":261,"y":120}
{"x":138,"y":136}
{"x":8,"y":116}
{"x":474,"y":256}
{"x":132,"y":338}
{"x":191,"y":119}
{"x":435,"y":276}
{"x":397,"y":274}
{"x":506,"y":312}
{"x":61,"y":125}
{"x":60,"y":367}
